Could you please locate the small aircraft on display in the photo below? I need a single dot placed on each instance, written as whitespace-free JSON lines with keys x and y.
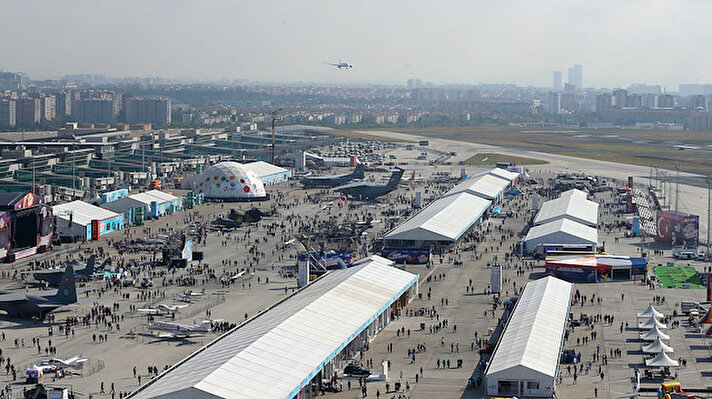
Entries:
{"x":162,"y":309}
{"x":76,"y":362}
{"x":176,"y":330}
{"x":340,"y":64}
{"x":53,"y":277}
{"x":366,"y":190}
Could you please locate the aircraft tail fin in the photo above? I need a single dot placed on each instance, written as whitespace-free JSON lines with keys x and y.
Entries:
{"x":67,"y":292}
{"x":89,"y":269}
{"x":395,"y":178}
{"x":359,"y":171}
{"x":105,"y":263}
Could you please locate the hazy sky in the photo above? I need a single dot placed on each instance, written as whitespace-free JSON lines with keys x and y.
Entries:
{"x":516,"y":41}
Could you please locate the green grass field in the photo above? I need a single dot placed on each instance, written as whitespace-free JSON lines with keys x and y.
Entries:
{"x":679,"y":277}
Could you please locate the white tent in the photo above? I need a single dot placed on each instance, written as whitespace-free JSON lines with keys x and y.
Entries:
{"x":657,"y":347}
{"x":654,"y":334}
{"x":562,"y":231}
{"x":572,"y":207}
{"x":650,"y":312}
{"x":650,"y":323}
{"x":661,"y":360}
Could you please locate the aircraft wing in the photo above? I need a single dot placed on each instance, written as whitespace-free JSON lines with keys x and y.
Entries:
{"x":345,"y":186}
{"x":181,"y":306}
{"x":15,"y":297}
{"x":332,"y":64}
{"x":149,"y":311}
{"x":172,"y":335}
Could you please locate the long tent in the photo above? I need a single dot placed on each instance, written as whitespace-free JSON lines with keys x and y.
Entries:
{"x":279,"y":352}
{"x":486,"y":186}
{"x":441,"y":223}
{"x":572,"y":207}
{"x":75,"y":219}
{"x":561,"y":231}
{"x":526,"y":359}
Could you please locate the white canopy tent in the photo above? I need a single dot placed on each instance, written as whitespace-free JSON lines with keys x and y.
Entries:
{"x":654,"y":334}
{"x":650,"y":323}
{"x":657,"y":347}
{"x":562,"y":231}
{"x":650,"y":312}
{"x":661,"y":360}
{"x":486,"y":186}
{"x":573,"y":207}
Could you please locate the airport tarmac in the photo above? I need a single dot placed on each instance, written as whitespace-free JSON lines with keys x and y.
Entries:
{"x":113,"y":361}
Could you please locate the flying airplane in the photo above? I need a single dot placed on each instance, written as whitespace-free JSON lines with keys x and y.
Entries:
{"x":54,"y":276}
{"x":340,"y":64}
{"x":162,"y":309}
{"x":39,"y":304}
{"x":367,"y":190}
{"x":177,"y":330}
{"x":76,"y":362}
{"x":334,"y":180}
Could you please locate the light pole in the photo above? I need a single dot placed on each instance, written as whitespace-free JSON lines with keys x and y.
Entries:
{"x":274,"y":118}
{"x":709,"y":206}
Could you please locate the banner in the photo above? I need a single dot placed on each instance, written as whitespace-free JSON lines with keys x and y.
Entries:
{"x":678,"y":228}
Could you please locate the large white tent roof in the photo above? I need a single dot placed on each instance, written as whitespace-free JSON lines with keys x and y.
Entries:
{"x":654,"y":334}
{"x":504,"y":174}
{"x":573,"y":207}
{"x":485,"y":186}
{"x":262,"y":168}
{"x":534,"y":334}
{"x":661,"y":360}
{"x":657,"y":347}
{"x":444,"y":220}
{"x":551,"y":233}
{"x":650,"y":323}
{"x":153,"y":195}
{"x":651,"y":312}
{"x":82,"y":212}
{"x":574,"y":192}
{"x":280,"y":350}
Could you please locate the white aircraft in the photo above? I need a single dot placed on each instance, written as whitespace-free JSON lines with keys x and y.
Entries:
{"x":340,"y":64}
{"x":177,"y":330}
{"x":162,"y":309}
{"x":192,"y":294}
{"x":76,"y":362}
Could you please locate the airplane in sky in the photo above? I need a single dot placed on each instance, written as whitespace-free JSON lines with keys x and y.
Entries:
{"x":340,"y":64}
{"x":333,"y":180}
{"x":76,"y":362}
{"x":40,"y":303}
{"x":366,"y":190}
{"x":53,"y":277}
{"x":176,"y":330}
{"x":162,"y":309}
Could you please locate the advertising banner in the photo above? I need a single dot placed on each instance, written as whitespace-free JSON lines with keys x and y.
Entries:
{"x":677,"y":228}
{"x":407,"y":256}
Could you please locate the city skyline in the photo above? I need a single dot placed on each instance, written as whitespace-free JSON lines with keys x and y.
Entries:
{"x":453,"y":42}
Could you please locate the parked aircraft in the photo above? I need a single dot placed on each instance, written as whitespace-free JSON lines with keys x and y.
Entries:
{"x":335,"y":180}
{"x":162,"y":309}
{"x":192,"y":294}
{"x":76,"y":362}
{"x":177,"y":330}
{"x":53,"y":277}
{"x":365,"y":190}
{"x":40,"y":303}
{"x":340,"y":64}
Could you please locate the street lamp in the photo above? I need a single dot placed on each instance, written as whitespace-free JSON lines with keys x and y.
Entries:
{"x":274,"y":118}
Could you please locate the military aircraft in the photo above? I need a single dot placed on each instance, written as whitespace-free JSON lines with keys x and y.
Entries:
{"x":340,"y":64}
{"x":335,"y":180}
{"x":53,"y":277}
{"x":75,"y":362}
{"x":177,"y":330}
{"x":225,"y":224}
{"x":162,"y":309}
{"x":39,"y":304}
{"x":365,"y":190}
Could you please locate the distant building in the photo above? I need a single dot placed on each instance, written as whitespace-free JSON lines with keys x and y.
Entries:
{"x":11,"y":80}
{"x":48,"y":107}
{"x":94,"y":111}
{"x":687,"y":90}
{"x":156,"y":111}
{"x":603,"y":101}
{"x":634,"y":101}
{"x":666,"y":101}
{"x":698,"y":103}
{"x":28,"y":112}
{"x":576,"y":76}
{"x":620,"y":98}
{"x":7,"y":113}
{"x":554,"y":103}
{"x":63,"y":103}
{"x":557,"y":80}
{"x":641,"y":88}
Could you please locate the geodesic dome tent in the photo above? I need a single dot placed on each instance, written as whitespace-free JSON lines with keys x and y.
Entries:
{"x":227,"y":181}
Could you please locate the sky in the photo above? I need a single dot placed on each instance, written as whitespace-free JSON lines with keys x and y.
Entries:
{"x":464,"y":41}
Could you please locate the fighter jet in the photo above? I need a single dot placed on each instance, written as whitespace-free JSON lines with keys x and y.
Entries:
{"x":340,"y":64}
{"x":39,"y":304}
{"x":335,"y":180}
{"x":162,"y":309}
{"x":365,"y":191}
{"x":53,"y":277}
